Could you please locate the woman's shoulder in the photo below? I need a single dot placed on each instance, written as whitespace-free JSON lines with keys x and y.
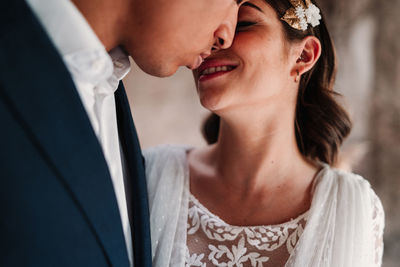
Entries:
{"x":352,"y":184}
{"x":161,"y":153}
{"x":343,"y":178}
{"x":356,"y":196}
{"x":166,"y":171}
{"x":164,"y":161}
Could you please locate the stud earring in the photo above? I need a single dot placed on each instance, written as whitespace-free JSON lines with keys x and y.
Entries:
{"x":296,"y":78}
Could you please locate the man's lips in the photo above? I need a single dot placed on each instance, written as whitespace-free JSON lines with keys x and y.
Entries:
{"x":199,"y":60}
{"x":196,"y":64}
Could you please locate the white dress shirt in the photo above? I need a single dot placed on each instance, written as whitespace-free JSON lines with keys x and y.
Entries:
{"x":96,"y":75}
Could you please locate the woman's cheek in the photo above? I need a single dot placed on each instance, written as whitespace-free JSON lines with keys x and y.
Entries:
{"x":248,"y":43}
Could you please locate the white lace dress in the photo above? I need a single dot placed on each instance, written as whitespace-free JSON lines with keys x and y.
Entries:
{"x":213,"y":242}
{"x":343,"y":228}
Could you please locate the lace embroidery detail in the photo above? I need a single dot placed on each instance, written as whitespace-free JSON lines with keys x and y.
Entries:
{"x":237,"y":255}
{"x":194,"y":259}
{"x":228,"y":245}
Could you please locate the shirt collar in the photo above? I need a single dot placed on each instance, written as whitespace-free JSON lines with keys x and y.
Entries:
{"x":83,"y":53}
{"x":121,"y":64}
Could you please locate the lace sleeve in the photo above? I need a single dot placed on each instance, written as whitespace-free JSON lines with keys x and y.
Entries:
{"x":378,"y":223}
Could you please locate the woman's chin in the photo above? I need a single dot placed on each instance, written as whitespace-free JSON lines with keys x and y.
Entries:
{"x":212,"y":103}
{"x":215,"y":97}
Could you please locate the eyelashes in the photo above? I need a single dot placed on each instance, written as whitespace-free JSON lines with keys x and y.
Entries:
{"x":241,"y":25}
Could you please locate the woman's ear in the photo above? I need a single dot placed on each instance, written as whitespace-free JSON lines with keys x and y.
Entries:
{"x":307,"y":54}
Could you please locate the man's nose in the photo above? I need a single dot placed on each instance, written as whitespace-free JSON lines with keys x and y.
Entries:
{"x":223,"y":36}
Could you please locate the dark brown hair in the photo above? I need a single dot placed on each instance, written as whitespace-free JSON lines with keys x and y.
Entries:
{"x":321,"y":122}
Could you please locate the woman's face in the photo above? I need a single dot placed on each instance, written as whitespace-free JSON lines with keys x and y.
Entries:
{"x":255,"y":70}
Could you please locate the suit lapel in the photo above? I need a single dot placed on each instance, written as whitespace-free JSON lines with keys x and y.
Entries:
{"x":37,"y":87}
{"x":137,"y":184}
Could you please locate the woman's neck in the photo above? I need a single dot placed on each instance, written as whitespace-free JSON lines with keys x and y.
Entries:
{"x":256,"y":168}
{"x":253,"y":154}
{"x":256,"y":154}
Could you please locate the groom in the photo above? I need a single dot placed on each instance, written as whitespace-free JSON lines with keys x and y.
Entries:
{"x":72,"y":184}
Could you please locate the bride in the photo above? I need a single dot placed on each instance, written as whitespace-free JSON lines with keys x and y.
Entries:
{"x":264,"y":192}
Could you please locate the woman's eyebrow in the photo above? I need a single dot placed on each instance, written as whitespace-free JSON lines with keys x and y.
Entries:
{"x":253,"y":6}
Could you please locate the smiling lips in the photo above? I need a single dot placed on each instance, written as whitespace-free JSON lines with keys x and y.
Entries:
{"x":214,"y":68}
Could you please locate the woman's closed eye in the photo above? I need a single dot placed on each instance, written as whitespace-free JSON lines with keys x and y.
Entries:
{"x":241,"y":25}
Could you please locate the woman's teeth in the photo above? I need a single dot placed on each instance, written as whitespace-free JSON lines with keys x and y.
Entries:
{"x":216,"y":69}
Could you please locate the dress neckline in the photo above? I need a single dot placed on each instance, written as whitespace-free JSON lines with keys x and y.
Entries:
{"x":320,"y":173}
{"x":291,"y":222}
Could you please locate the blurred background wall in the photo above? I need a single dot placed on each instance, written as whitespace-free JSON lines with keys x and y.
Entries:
{"x":367,"y":38}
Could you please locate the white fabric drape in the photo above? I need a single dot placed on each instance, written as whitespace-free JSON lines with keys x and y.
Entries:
{"x":339,"y":232}
{"x":168,"y":199}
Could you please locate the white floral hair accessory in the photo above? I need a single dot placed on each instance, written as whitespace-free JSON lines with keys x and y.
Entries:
{"x":301,"y":14}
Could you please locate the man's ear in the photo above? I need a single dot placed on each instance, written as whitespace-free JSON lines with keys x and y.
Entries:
{"x":307,"y":55}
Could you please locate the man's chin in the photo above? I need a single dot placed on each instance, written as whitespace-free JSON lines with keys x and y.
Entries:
{"x":159,"y":70}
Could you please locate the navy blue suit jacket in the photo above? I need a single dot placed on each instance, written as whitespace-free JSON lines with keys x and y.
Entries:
{"x":57,"y":204}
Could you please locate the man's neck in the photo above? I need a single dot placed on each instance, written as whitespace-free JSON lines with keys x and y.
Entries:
{"x":106,"y":18}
